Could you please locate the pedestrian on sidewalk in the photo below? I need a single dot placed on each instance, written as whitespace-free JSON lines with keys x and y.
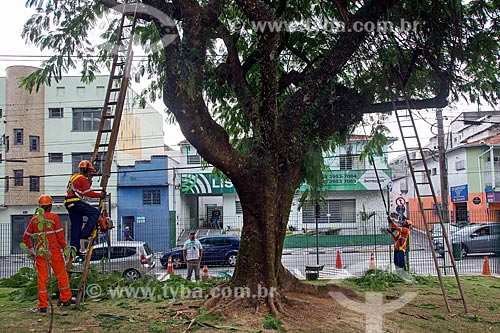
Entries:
{"x":192,"y":253}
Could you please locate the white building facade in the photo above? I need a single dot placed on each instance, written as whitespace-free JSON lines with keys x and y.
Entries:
{"x":46,"y":133}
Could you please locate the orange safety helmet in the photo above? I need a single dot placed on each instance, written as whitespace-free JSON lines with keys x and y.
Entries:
{"x":85,"y":164}
{"x":45,"y":200}
{"x":410,"y":223}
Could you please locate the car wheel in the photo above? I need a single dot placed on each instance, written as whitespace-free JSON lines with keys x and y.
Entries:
{"x":231,"y":260}
{"x":464,"y":251}
{"x":132,"y":274}
{"x":177,"y":262}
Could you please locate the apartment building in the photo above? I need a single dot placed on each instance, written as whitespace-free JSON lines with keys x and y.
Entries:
{"x":46,"y":133}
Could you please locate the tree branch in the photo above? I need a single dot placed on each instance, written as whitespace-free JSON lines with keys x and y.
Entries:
{"x":235,"y":74}
{"x":439,"y":101}
{"x":292,"y":77}
{"x":211,"y":11}
{"x":181,"y":94}
{"x":337,"y":57}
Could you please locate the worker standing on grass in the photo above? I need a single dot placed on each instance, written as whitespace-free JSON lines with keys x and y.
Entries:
{"x":401,"y":237}
{"x":78,"y":188}
{"x":54,"y":236}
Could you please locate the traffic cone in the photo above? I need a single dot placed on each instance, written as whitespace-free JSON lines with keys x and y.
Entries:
{"x":372,"y":262}
{"x":486,"y":267}
{"x":338,"y":262}
{"x":170,"y":266}
{"x":205,"y":275}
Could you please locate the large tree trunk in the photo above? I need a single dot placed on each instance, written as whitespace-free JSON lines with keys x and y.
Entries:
{"x":266,"y":211}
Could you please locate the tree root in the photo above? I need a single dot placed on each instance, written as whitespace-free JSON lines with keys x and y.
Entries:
{"x":295,"y":301}
{"x":275,"y":305}
{"x":214,"y":297}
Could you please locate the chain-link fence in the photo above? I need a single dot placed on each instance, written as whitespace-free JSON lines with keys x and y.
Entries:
{"x":342,"y":248}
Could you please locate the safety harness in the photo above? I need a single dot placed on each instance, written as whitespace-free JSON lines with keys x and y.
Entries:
{"x":71,"y":188}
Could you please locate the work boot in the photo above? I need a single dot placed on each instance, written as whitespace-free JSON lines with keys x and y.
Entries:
{"x":39,"y":310}
{"x":72,"y":300}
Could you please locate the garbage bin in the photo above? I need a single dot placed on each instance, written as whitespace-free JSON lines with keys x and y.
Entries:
{"x":457,"y":251}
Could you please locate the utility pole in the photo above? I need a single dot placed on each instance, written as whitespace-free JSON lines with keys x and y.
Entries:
{"x":443,"y":170}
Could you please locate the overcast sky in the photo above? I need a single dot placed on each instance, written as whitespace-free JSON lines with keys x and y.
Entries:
{"x":13,"y":51}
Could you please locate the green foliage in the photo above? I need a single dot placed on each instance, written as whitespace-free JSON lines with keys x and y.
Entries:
{"x":213,"y":317}
{"x":364,"y":215}
{"x":271,"y":323}
{"x":376,"y":144}
{"x":377,"y":280}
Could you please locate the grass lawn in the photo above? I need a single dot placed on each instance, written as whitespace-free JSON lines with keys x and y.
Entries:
{"x":425,"y":313}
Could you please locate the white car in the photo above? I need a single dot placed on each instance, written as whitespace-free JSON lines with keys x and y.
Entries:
{"x":437,"y":234}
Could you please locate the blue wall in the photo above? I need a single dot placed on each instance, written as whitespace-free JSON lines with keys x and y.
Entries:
{"x":132,"y":181}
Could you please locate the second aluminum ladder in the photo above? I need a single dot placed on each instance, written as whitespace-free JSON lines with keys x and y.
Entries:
{"x":425,"y":192}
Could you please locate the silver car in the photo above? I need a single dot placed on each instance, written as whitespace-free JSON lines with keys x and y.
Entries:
{"x":478,"y":238}
{"x":133,"y":259}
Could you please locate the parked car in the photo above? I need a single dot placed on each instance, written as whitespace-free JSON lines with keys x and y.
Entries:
{"x":437,"y":233}
{"x":133,"y":259}
{"x":216,"y":250}
{"x":478,"y":238}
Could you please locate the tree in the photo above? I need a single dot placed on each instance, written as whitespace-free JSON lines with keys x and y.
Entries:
{"x":261,"y":88}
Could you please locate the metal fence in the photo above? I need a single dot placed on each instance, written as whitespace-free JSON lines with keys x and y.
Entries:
{"x":343,"y":249}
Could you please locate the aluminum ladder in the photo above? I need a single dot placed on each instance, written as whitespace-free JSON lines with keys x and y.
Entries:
{"x":107,"y":135}
{"x":424,"y":189}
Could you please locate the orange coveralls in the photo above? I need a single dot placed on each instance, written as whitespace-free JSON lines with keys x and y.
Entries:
{"x":400,"y":245}
{"x":56,"y":241}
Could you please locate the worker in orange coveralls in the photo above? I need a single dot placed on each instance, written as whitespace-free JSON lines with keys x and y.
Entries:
{"x":56,"y":243}
{"x":79,"y":188}
{"x":401,"y":238}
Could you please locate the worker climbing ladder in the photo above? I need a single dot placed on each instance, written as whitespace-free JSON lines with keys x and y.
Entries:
{"x":109,"y":126}
{"x":424,"y":189}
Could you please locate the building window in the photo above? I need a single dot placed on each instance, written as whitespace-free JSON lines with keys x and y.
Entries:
{"x":56,"y":112}
{"x":55,"y":157}
{"x":76,"y":158}
{"x":80,"y":91}
{"x":88,"y":120}
{"x":7,"y":144}
{"x":151,"y":197}
{"x":6,"y":183}
{"x":335,"y":211}
{"x":1,"y":158}
{"x":346,"y":161}
{"x":60,"y":91}
{"x":18,"y":177}
{"x":193,"y":159}
{"x":1,"y":113}
{"x":18,"y":136}
{"x":100,"y":90}
{"x":239,"y":210}
{"x":34,"y":184}
{"x":34,"y":143}
{"x":434,"y":171}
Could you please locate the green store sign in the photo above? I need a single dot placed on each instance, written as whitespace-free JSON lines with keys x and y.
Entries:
{"x":205,"y":183}
{"x":354,"y":180}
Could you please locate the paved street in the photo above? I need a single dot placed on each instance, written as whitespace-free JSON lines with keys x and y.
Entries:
{"x":355,"y":261}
